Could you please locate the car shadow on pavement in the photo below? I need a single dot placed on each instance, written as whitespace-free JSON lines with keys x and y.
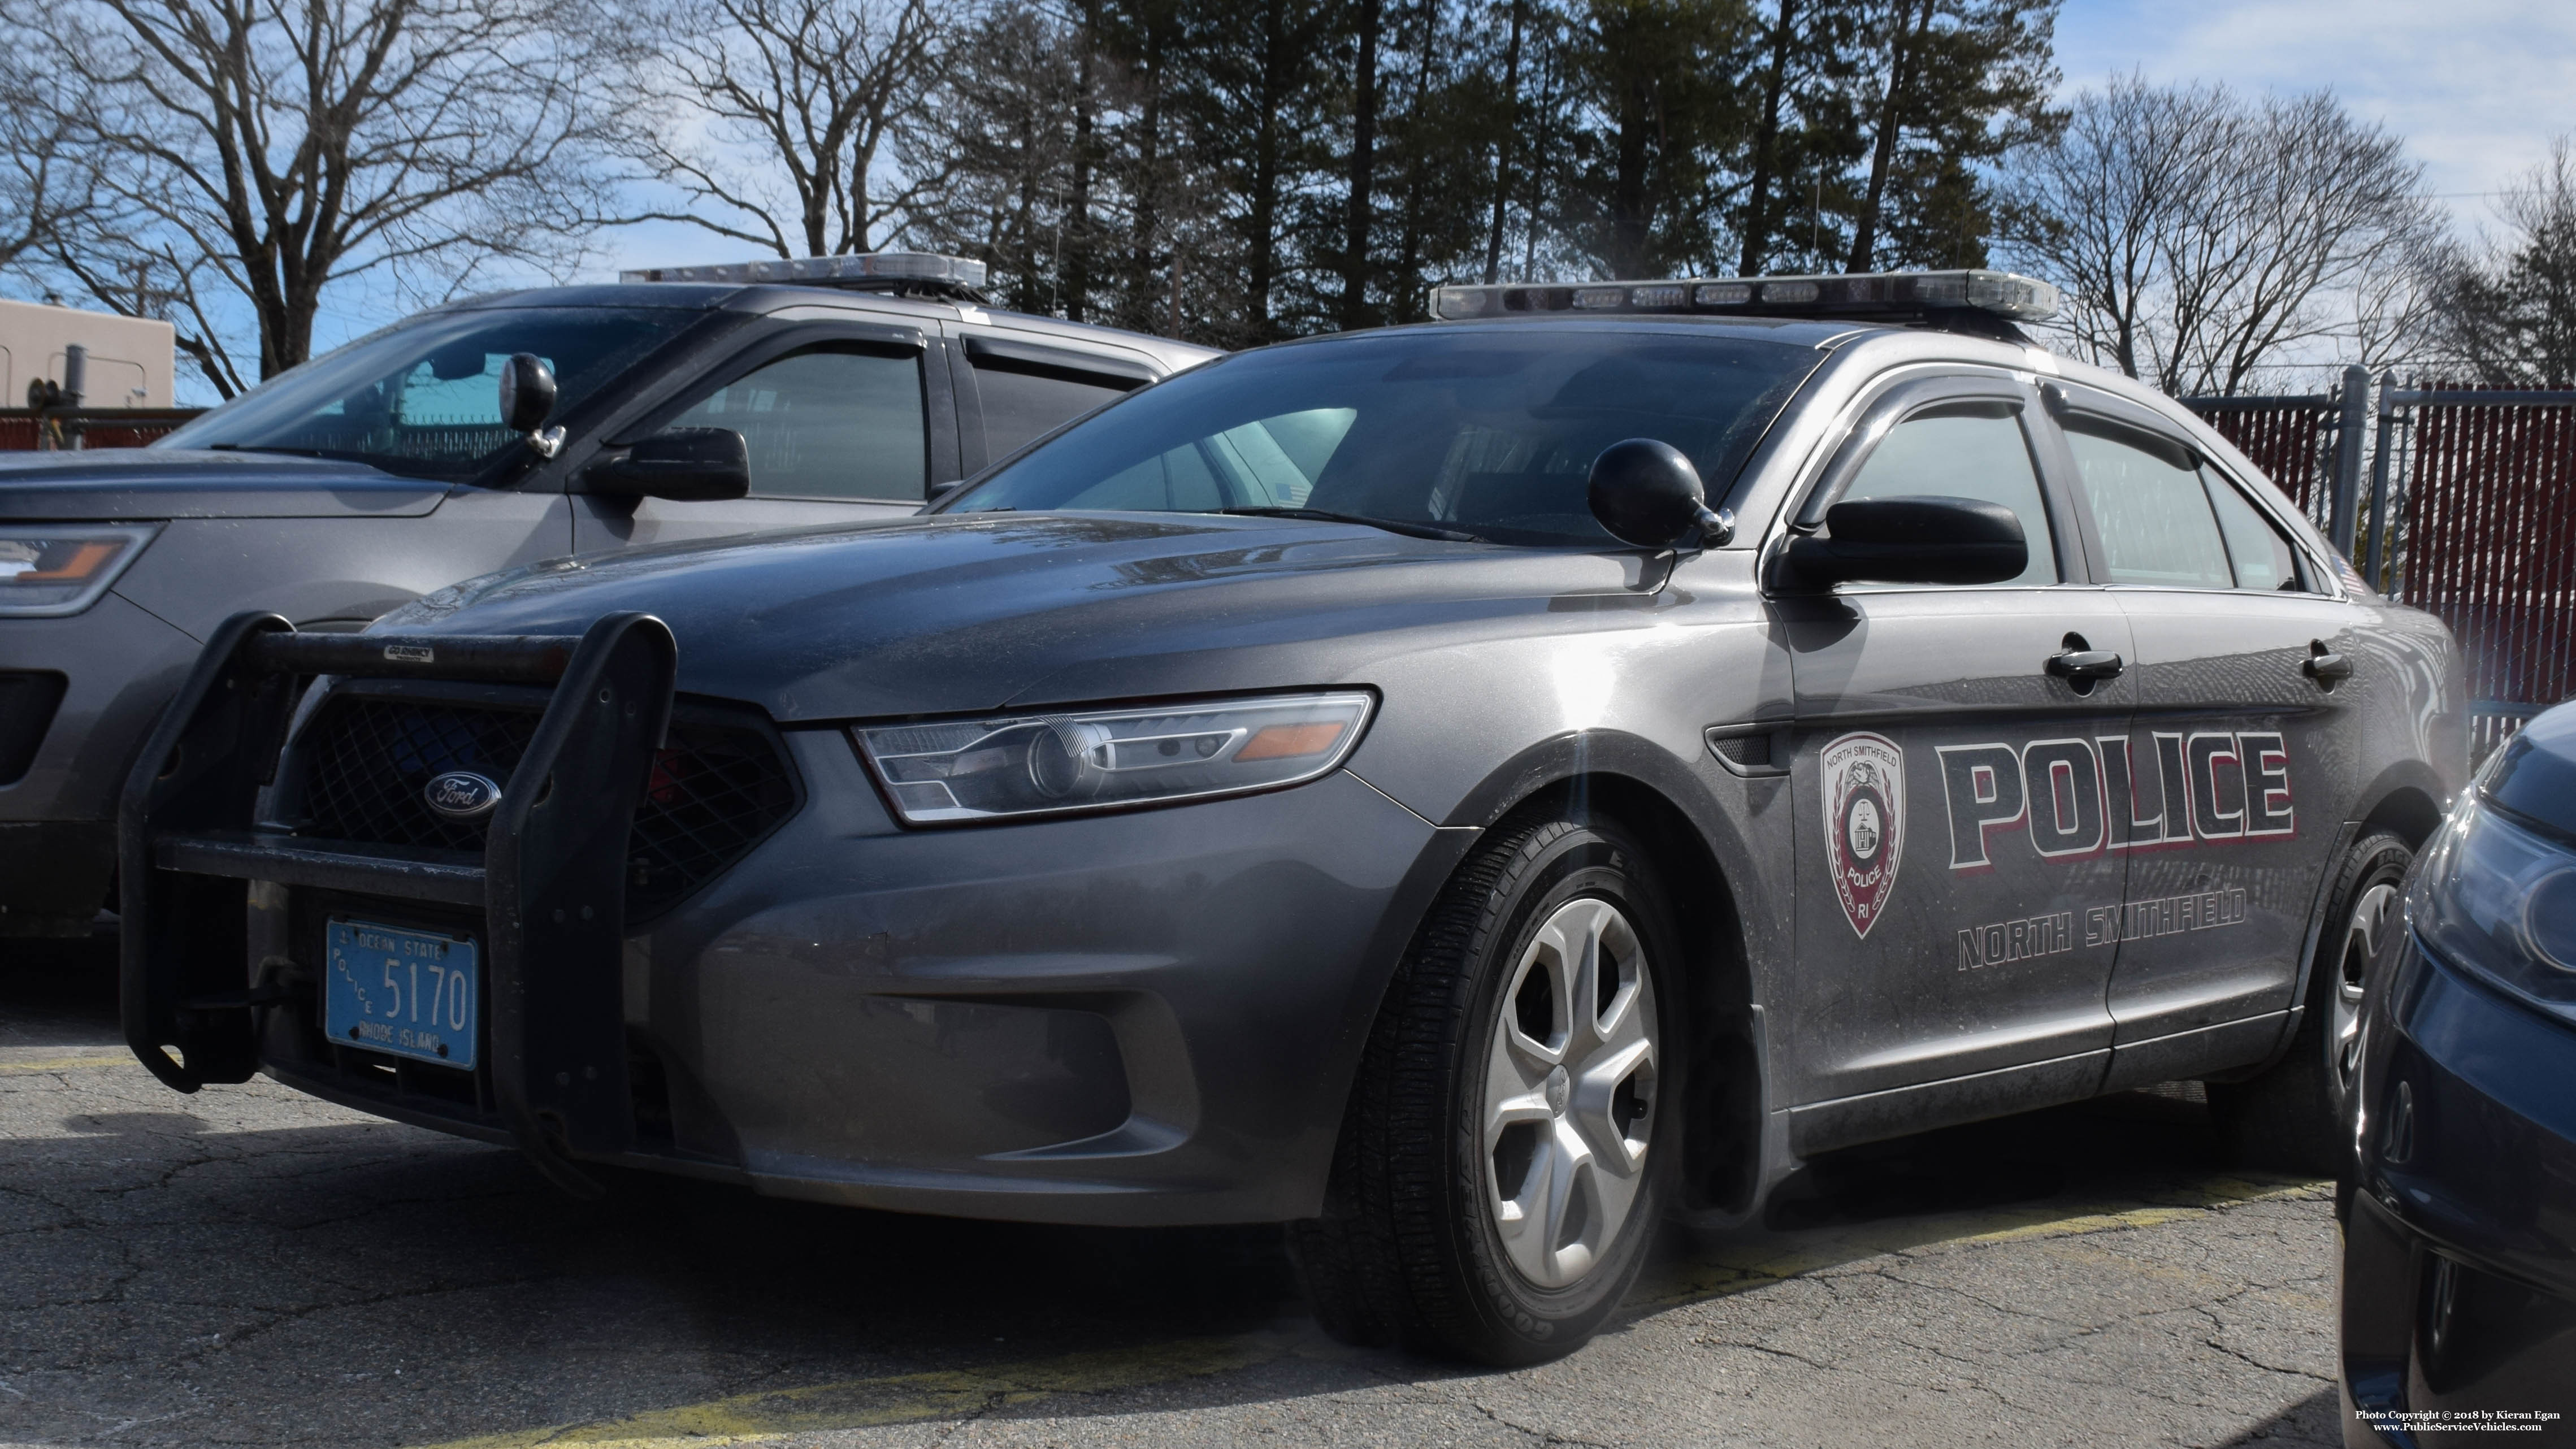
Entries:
{"x":2315,"y":1420}
{"x":247,"y":1264}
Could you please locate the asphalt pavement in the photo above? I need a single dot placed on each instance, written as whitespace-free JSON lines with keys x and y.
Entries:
{"x":250,"y":1266}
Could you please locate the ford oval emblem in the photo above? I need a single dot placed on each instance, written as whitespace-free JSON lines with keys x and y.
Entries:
{"x":462,"y":794}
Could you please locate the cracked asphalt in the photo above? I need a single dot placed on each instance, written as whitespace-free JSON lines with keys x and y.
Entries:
{"x":248,"y":1266}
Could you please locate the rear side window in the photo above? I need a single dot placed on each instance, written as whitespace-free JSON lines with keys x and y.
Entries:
{"x":1022,"y":403}
{"x":2152,"y":513}
{"x":1964,"y":451}
{"x":2263,"y":559}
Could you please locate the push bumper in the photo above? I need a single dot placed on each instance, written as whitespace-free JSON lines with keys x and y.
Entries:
{"x":204,"y":986}
{"x":2459,"y":1272}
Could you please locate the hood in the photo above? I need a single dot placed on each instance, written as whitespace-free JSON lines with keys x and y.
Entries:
{"x":117,"y":484}
{"x":991,"y":610}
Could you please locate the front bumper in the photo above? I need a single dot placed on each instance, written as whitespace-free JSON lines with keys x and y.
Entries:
{"x":2459,"y":1270}
{"x":119,"y":666}
{"x":1148,"y":1017}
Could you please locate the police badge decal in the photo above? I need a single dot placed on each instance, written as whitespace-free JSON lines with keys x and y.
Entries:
{"x":1863,"y":785}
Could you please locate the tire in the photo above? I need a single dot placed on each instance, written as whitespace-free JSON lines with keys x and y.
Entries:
{"x":1494,"y":1192}
{"x":2292,"y":1116}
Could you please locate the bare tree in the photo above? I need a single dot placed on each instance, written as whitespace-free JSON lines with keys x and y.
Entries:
{"x":2508,"y":308}
{"x":780,"y":116}
{"x":254,"y":153}
{"x":46,"y":181}
{"x":2201,"y":237}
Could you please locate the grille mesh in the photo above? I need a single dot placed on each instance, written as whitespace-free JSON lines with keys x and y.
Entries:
{"x":713,"y":793}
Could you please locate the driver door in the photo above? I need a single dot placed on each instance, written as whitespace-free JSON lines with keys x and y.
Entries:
{"x":1950,"y":795}
{"x":838,"y":424}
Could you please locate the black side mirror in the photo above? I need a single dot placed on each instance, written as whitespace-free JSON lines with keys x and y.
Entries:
{"x":688,"y":465}
{"x":1926,"y":540}
{"x":1647,"y":493}
{"x":527,"y":392}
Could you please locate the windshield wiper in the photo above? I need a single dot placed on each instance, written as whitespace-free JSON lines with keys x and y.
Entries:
{"x":268,"y":448}
{"x":1323,"y":515}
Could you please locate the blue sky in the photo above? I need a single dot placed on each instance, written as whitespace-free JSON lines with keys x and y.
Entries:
{"x":2477,"y":87}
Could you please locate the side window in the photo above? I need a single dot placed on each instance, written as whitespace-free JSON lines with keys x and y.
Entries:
{"x":2151,"y":511}
{"x":1019,"y":404}
{"x":827,"y":423}
{"x":1964,"y":451}
{"x":2263,"y":558}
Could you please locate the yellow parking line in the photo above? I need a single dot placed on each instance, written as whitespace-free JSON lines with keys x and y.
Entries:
{"x":901,"y":1398}
{"x":1761,"y":1259}
{"x":953,"y":1393}
{"x":25,"y":1066}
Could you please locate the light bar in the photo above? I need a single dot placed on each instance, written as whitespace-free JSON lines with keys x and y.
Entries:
{"x":864,"y":267}
{"x":1867,"y":296}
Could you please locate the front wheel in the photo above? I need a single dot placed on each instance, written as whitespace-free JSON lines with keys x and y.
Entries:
{"x":1499,"y":1179}
{"x":2292,"y":1115}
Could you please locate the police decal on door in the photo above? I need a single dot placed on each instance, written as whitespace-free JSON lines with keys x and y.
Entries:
{"x":1864,"y":795}
{"x":2074,"y":798}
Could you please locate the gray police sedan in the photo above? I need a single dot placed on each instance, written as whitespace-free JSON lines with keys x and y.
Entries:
{"x":1460,"y":790}
{"x":676,"y":405}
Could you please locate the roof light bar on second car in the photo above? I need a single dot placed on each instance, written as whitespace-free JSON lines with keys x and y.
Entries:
{"x":862,"y":269}
{"x":1862,"y":297}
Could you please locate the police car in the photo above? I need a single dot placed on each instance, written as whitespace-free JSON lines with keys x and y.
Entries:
{"x":681,"y":403}
{"x":1461,"y":790}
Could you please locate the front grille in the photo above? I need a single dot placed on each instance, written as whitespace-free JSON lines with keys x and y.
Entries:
{"x":366,"y":762}
{"x":715,"y":791}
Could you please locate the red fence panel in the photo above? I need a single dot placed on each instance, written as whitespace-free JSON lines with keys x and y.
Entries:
{"x":2292,"y":439}
{"x":2488,"y":542}
{"x":22,"y":429}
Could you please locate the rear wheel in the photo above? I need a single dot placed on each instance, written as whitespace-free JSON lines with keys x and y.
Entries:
{"x":1498,"y":1181}
{"x":2291,"y":1117}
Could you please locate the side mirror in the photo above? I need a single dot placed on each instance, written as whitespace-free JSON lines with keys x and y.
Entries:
{"x":1925,"y":540}
{"x":688,"y":465}
{"x":527,"y":392}
{"x":1647,"y":493}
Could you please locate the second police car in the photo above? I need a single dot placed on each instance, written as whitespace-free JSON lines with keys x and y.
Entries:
{"x":1460,"y":790}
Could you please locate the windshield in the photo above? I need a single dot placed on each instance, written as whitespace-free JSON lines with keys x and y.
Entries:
{"x":1477,"y":431}
{"x":424,"y":397}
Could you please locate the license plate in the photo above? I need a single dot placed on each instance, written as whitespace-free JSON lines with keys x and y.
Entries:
{"x":407,"y":993}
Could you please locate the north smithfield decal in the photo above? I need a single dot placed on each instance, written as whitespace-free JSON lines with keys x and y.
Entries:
{"x":2079,"y":797}
{"x":1864,"y":794}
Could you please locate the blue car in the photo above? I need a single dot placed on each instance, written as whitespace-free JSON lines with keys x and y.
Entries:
{"x":2459,"y":1268}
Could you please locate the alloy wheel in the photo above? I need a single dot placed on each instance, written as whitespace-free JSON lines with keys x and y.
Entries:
{"x":1569,"y":1093}
{"x":2361,"y":938}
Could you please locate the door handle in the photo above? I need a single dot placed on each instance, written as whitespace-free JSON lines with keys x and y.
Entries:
{"x":2325,"y":666}
{"x":2086,"y":665}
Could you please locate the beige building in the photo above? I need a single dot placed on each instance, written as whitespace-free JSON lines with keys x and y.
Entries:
{"x":130,"y":358}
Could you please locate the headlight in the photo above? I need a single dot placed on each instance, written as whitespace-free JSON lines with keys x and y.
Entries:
{"x":47,"y":570}
{"x":1049,"y":763}
{"x":2499,"y":898}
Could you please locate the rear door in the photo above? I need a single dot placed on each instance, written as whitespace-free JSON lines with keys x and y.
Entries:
{"x":1950,"y":796}
{"x":842,"y":422}
{"x":2242,"y":762}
